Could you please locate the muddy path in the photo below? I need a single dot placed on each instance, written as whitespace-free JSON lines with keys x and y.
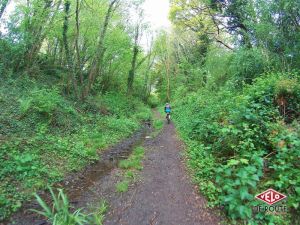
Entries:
{"x":162,"y":194}
{"x":77,"y":184}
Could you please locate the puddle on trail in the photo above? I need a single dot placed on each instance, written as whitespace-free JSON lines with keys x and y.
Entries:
{"x":76,"y":185}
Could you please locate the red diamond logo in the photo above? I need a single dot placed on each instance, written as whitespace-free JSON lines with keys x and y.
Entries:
{"x":270,"y":196}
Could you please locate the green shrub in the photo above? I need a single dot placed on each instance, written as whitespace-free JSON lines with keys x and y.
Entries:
{"x":130,"y":167}
{"x":158,"y":124}
{"x":45,"y":101}
{"x":153,"y":101}
{"x":216,"y":65}
{"x":247,"y":64}
{"x":46,"y":135}
{"x":122,"y":186}
{"x":134,"y":161}
{"x":238,"y":183}
{"x":240,"y":143}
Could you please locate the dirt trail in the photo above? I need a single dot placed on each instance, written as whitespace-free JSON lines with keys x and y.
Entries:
{"x":80,"y":186}
{"x":164,"y":196}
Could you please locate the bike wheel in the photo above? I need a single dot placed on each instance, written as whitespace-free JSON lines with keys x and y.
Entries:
{"x":168,"y":118}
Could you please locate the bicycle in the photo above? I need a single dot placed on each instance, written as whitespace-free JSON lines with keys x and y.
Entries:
{"x":168,"y":117}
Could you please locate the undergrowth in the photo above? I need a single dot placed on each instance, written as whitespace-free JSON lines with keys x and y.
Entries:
{"x":241,"y":143}
{"x":44,"y":135}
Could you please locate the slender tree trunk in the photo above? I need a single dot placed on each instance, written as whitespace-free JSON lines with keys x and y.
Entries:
{"x":167,"y":70}
{"x":55,"y":51}
{"x":131,"y":73}
{"x":67,"y":50}
{"x":97,"y":62}
{"x":149,"y":66}
{"x":77,"y":43}
{"x":37,"y":28}
{"x":61,"y":49}
{"x":167,"y":67}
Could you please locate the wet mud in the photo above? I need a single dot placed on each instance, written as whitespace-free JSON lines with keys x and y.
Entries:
{"x":75,"y":185}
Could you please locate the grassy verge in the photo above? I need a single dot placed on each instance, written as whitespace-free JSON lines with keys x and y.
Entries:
{"x":130,"y":167}
{"x":158,"y":124}
{"x":44,"y":136}
{"x":241,"y":144}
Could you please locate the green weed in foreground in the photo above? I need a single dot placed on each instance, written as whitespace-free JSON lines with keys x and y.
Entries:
{"x":130,"y":174}
{"x":100,"y":212}
{"x":122,"y":186}
{"x":130,"y":165}
{"x":134,"y":161}
{"x":158,"y":124}
{"x":60,"y":212}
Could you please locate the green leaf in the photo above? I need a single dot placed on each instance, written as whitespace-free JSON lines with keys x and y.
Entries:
{"x":228,"y":198}
{"x":244,"y":161}
{"x":251,"y":183}
{"x":244,"y":193}
{"x":297,"y":189}
{"x":48,"y":211}
{"x":295,"y":205}
{"x":233,"y":162}
{"x":242,"y":173}
{"x":255,"y":177}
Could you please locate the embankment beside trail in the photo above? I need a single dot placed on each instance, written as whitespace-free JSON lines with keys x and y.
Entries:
{"x":44,"y":135}
{"x":79,"y":185}
{"x":243,"y":142}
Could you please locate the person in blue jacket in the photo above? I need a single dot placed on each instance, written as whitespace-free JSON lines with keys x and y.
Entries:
{"x":168,"y":110}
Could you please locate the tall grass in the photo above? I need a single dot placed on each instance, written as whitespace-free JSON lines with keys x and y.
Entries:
{"x":60,"y":212}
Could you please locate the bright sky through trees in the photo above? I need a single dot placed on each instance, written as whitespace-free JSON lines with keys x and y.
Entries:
{"x":9,"y":9}
{"x":157,"y":13}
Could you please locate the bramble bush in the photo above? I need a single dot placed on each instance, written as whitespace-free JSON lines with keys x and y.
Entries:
{"x":242,"y":142}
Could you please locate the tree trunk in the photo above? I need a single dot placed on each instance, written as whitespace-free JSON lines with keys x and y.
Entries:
{"x":131,"y":73}
{"x":66,"y":46}
{"x":79,"y":71}
{"x":95,"y":67}
{"x":150,"y":63}
{"x":167,"y":67}
{"x":37,"y":32}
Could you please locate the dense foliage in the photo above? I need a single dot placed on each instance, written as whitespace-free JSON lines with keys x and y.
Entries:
{"x":45,"y":136}
{"x":239,"y":144}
